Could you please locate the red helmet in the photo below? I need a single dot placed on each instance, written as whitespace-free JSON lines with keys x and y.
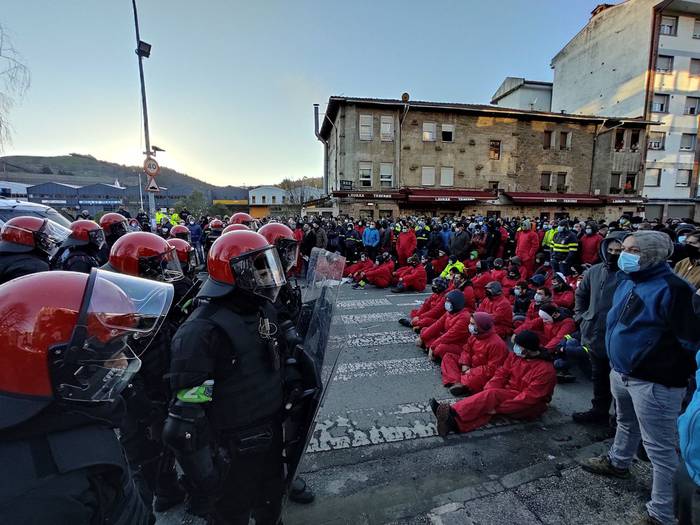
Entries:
{"x":145,"y":254}
{"x":85,"y":232}
{"x":65,"y":337}
{"x":235,"y":228}
{"x":24,"y":234}
{"x":283,"y":239}
{"x":243,"y":260}
{"x":185,"y":254}
{"x":241,"y":218}
{"x":180,"y":232}
{"x":114,"y":225}
{"x":216,"y":224}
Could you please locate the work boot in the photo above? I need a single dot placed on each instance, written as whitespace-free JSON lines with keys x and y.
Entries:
{"x":591,"y":417}
{"x":445,"y":418}
{"x":459,"y":389}
{"x":647,"y":520}
{"x":301,"y":493}
{"x":601,"y":465}
{"x":564,"y":377}
{"x":405,"y":322}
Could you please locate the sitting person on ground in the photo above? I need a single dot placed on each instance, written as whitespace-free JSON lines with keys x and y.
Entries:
{"x":380,"y":275}
{"x":522,"y":296}
{"x":498,"y":273}
{"x":354,"y":270}
{"x":543,"y":295}
{"x":551,"y":325}
{"x":452,"y":262}
{"x":470,"y":264}
{"x":544,"y":267}
{"x":467,"y":373}
{"x":481,"y":279}
{"x":460,"y":282}
{"x":575,"y":277}
{"x":436,"y":299}
{"x":450,"y":332}
{"x":499,"y":307}
{"x":570,"y":353}
{"x":440,"y":262}
{"x":413,"y":279}
{"x":521,"y":388}
{"x":427,"y":265}
{"x":511,"y":279}
{"x":522,"y":270}
{"x":562,"y":293}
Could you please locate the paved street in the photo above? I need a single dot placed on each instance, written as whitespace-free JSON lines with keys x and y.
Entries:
{"x":375,"y":456}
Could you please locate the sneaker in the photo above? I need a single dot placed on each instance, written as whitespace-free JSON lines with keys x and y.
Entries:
{"x":301,"y":493}
{"x":591,"y":417}
{"x":601,"y":465}
{"x":405,"y":322}
{"x":459,"y":389}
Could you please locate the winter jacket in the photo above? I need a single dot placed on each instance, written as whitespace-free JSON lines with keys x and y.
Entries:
{"x":483,"y":354}
{"x":501,"y":310}
{"x":565,"y":246}
{"x":308,"y":243}
{"x":446,"y":236}
{"x":382,"y":275}
{"x":551,"y":334}
{"x":534,"y":379}
{"x":459,"y":245}
{"x":195,"y":232}
{"x":652,"y":331}
{"x":433,"y":315}
{"x":361,"y":266}
{"x":451,"y":328}
{"x":405,"y":245}
{"x":439,"y":264}
{"x":564,"y":299}
{"x":689,"y":430}
{"x":446,"y":271}
{"x":689,"y":271}
{"x":386,"y":239}
{"x":590,"y":248}
{"x":428,"y":304}
{"x":321,"y":238}
{"x":415,"y":278}
{"x":526,"y":245}
{"x":370,"y":237}
{"x":479,"y":282}
{"x":435,"y":242}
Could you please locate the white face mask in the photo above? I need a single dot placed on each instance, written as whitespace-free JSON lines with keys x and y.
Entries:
{"x":518,"y":350}
{"x":545,"y":317}
{"x":448,"y":306}
{"x":538,"y":298}
{"x":516,"y":292}
{"x":473,"y":329}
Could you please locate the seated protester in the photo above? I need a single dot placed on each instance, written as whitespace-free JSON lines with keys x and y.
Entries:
{"x":499,"y":307}
{"x":399,"y":272}
{"x":562,"y":294}
{"x":413,"y":279}
{"x":518,"y":263}
{"x":481,"y":279}
{"x":569,"y":353}
{"x":575,"y":277}
{"x":510,"y":280}
{"x":450,"y":332}
{"x":483,"y":353}
{"x":498,"y":273}
{"x":470,"y":264}
{"x":521,"y":388}
{"x":522,"y":298}
{"x":440,"y":262}
{"x":460,"y":282}
{"x":437,"y":299}
{"x":452,"y":262}
{"x":380,"y":275}
{"x":354,"y":270}
{"x":544,"y":269}
{"x":542,"y":295}
{"x":551,"y":325}
{"x":430,"y":272}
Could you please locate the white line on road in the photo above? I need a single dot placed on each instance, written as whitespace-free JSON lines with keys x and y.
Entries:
{"x":362,"y":303}
{"x":389,"y":367}
{"x":395,"y":337}
{"x":405,"y":294}
{"x":368,"y":318}
{"x":414,"y":303}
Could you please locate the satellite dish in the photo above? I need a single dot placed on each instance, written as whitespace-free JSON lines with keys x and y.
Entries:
{"x":405,"y":97}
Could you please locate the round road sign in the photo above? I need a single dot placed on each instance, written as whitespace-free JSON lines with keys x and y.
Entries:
{"x":151,"y":167}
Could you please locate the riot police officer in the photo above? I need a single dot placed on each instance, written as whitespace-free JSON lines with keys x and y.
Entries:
{"x":213,"y":231}
{"x":242,"y":218}
{"x":225,"y":419}
{"x":60,"y":394}
{"x":27,"y":244}
{"x":82,"y":250}
{"x":114,"y":225}
{"x":180,"y":231}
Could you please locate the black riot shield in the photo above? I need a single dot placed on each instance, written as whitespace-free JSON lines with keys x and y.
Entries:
{"x":314,"y":359}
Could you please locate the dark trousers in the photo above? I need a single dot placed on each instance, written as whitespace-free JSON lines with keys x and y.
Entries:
{"x":600,"y":372}
{"x":687,"y":498}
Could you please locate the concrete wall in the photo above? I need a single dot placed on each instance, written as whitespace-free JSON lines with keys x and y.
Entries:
{"x":264,"y":195}
{"x":528,"y":97}
{"x":609,"y":161}
{"x":596,"y":73}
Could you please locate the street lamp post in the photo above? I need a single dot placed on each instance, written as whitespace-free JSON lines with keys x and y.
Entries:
{"x":144,"y":50}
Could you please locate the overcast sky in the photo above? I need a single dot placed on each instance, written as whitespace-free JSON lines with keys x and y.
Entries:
{"x":231,"y":84}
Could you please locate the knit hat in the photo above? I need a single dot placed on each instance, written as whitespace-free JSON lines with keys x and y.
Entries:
{"x":561,"y":276}
{"x":516,"y":260}
{"x":483,"y":320}
{"x":457,"y":299}
{"x":655,"y":247}
{"x":528,"y":340}
{"x":551,"y":308}
{"x":526,"y":225}
{"x":494,"y":287}
{"x":537,"y":279}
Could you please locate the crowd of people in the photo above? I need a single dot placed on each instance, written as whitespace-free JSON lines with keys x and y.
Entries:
{"x":136,"y":330}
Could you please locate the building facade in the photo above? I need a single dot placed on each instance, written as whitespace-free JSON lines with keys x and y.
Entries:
{"x":394,"y":157}
{"x":641,"y":58}
{"x":518,"y":93}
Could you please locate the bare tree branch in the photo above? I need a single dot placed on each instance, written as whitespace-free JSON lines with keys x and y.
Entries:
{"x":15,"y":80}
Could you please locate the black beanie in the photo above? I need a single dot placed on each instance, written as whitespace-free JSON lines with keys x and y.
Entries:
{"x":457,"y":299}
{"x":528,"y":340}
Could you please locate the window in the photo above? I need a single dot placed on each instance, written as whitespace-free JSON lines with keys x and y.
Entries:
{"x":274,"y":199}
{"x":545,"y":181}
{"x":253,"y":199}
{"x":664,"y":64}
{"x":365,"y":127}
{"x":565,"y":140}
{"x":387,"y":128}
{"x":493,"y":184}
{"x":694,"y":67}
{"x":657,"y":140}
{"x":447,"y":176}
{"x":386,"y":175}
{"x":494,"y":149}
{"x":696,"y":29}
{"x":691,"y":105}
{"x":688,"y":141}
{"x":683,"y":177}
{"x":614,"y":183}
{"x":284,"y":199}
{"x":264,"y":199}
{"x":547,"y":139}
{"x":561,"y":182}
{"x":659,"y":104}
{"x":619,"y":139}
{"x":429,"y":131}
{"x":428,"y":176}
{"x":365,"y":174}
{"x":652,"y":177}
{"x":669,"y":25}
{"x":630,"y":183}
{"x":635,"y":135}
{"x":448,"y":132}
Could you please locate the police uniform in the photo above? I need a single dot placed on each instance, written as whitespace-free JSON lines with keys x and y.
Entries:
{"x":14,"y":265}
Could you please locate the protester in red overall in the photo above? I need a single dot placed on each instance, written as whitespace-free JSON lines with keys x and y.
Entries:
{"x":481,"y":279}
{"x":551,"y":325}
{"x":413,"y":279}
{"x":504,"y":241}
{"x":470,"y":264}
{"x":460,"y":282}
{"x":543,"y":295}
{"x":516,"y":262}
{"x":439,"y":288}
{"x":521,"y":388}
{"x":562,"y":294}
{"x":510,"y":281}
{"x":354,"y":270}
{"x":450,"y":332}
{"x":406,"y":244}
{"x":499,"y":272}
{"x":380,"y":275}
{"x":589,"y":244}
{"x":484,"y":352}
{"x":527,"y":244}
{"x":499,"y":307}
{"x":440,"y":262}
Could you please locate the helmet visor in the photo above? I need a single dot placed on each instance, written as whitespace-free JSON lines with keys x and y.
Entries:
{"x":288,"y":252}
{"x":260,"y":272}
{"x":164,"y":267}
{"x":97,"y":238}
{"x":119,"y":228}
{"x":50,"y":237}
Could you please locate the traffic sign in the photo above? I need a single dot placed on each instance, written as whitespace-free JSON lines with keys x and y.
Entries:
{"x":152,"y":185}
{"x":151,"y":167}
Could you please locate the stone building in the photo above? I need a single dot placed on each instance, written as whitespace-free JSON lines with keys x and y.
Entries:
{"x":394,"y":157}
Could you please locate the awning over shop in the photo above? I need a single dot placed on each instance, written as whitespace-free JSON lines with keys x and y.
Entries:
{"x":378,"y":195}
{"x":553,"y":198}
{"x":456,"y":196}
{"x":616,"y":199}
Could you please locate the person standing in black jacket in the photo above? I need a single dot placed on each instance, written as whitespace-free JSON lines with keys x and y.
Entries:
{"x":460,"y":242}
{"x":83,"y":250}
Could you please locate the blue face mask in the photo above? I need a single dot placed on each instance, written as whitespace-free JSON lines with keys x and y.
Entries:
{"x":518,"y":350}
{"x":560,"y":228}
{"x":448,"y":306}
{"x":628,"y":262}
{"x":681,"y":239}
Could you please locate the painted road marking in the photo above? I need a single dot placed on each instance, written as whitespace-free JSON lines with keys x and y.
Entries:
{"x":405,"y":294}
{"x":389,"y":367}
{"x":394,"y":337}
{"x":380,"y":317}
{"x":363,"y":303}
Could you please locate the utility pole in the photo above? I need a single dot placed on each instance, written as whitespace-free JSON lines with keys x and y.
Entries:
{"x":144,"y":50}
